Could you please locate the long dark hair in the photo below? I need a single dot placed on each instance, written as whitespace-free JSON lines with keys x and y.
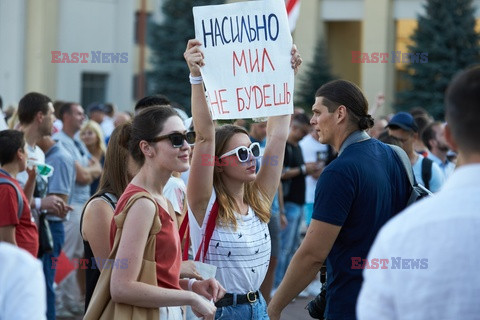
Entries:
{"x":114,"y":178}
{"x":145,"y":126}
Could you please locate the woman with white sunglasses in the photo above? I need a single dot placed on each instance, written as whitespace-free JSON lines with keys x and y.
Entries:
{"x":240,"y":243}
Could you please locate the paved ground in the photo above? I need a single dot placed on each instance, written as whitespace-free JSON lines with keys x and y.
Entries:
{"x":296,"y":310}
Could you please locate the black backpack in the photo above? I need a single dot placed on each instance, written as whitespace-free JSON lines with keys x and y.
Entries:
{"x":418,"y":191}
{"x":427,"y":172}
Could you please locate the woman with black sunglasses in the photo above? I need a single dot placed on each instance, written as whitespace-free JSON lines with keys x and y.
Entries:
{"x":159,"y":143}
{"x":240,"y":243}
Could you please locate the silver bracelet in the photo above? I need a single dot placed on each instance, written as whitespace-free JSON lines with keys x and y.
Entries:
{"x":38,"y":204}
{"x":195,"y":80}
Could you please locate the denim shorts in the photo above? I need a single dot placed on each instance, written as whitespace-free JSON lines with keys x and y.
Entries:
{"x":245,"y":311}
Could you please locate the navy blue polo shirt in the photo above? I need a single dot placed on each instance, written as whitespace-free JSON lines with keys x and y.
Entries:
{"x":360,"y":190}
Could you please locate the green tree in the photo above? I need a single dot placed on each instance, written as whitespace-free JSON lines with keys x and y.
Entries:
{"x":169,"y":39}
{"x":446,"y":33}
{"x":317,"y":73}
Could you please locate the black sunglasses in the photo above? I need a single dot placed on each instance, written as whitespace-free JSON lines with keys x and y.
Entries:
{"x":177,"y":138}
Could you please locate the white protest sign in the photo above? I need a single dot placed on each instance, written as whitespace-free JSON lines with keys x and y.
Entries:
{"x":247,"y":48}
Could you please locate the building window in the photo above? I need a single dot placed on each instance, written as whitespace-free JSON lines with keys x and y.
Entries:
{"x":94,"y":88}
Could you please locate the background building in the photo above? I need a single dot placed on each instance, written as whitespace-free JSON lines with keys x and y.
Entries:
{"x":367,"y":26}
{"x":31,"y":29}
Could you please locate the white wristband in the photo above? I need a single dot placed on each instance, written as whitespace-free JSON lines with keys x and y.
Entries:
{"x":190,"y":283}
{"x":38,"y":203}
{"x":303,"y":169}
{"x":195,"y":80}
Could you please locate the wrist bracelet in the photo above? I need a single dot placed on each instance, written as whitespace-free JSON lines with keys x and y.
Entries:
{"x":38,"y":203}
{"x":195,"y":80}
{"x":303,"y":169}
{"x":190,"y":283}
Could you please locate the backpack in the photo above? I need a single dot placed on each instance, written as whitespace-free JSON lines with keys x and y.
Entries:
{"x":426,"y":172}
{"x":19,"y":195}
{"x":418,"y":191}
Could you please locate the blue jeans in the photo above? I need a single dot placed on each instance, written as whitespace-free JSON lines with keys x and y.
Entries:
{"x":308,"y":212}
{"x":245,"y":311}
{"x":288,"y":239}
{"x":58,"y":235}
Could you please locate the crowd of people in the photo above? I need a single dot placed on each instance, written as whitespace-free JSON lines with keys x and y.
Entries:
{"x":127,"y":196}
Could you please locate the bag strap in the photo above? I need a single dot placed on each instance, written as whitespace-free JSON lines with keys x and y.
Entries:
{"x":134,"y":198}
{"x":19,"y":195}
{"x":184,"y":231}
{"x":354,"y":137}
{"x":208,"y":232}
{"x":427,"y":172}
{"x":405,"y":162}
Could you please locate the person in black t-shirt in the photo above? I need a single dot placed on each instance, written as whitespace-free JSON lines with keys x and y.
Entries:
{"x":293,"y":182}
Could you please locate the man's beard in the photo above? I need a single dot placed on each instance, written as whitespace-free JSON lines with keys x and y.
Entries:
{"x":442,"y":147}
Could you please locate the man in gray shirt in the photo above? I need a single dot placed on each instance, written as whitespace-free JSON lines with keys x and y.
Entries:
{"x":69,"y":295}
{"x":60,"y":184}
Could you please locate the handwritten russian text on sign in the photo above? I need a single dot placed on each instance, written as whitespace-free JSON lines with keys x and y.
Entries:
{"x":247,"y":72}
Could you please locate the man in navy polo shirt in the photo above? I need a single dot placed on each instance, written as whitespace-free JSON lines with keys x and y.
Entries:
{"x":355,"y":195}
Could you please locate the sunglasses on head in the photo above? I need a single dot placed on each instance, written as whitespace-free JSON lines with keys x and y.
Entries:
{"x":177,"y":138}
{"x":242,"y":152}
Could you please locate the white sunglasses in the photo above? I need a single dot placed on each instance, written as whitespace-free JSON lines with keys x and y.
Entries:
{"x":242,"y":152}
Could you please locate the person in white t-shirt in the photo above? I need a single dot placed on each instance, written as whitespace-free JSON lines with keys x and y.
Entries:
{"x":22,"y":289}
{"x":223,"y":174}
{"x":36,"y":116}
{"x":431,"y":267}
{"x":312,"y":151}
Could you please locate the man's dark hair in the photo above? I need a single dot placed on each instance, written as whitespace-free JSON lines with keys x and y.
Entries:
{"x":301,"y":118}
{"x":65,"y":108}
{"x":57,"y":104}
{"x":388,"y":139}
{"x":422,"y":121}
{"x":429,"y":134}
{"x":30,"y":105}
{"x":462,"y":110}
{"x":342,"y":92}
{"x":109,"y":109}
{"x":419,"y":111}
{"x":148,"y":101}
{"x":10,"y":142}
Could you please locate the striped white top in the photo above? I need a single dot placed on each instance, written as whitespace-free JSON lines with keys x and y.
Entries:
{"x":241,"y":256}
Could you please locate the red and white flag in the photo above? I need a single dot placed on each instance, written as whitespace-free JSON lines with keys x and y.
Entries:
{"x":293,"y":10}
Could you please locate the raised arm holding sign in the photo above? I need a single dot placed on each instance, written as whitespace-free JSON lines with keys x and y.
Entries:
{"x":240,"y":243}
{"x":246,"y":47}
